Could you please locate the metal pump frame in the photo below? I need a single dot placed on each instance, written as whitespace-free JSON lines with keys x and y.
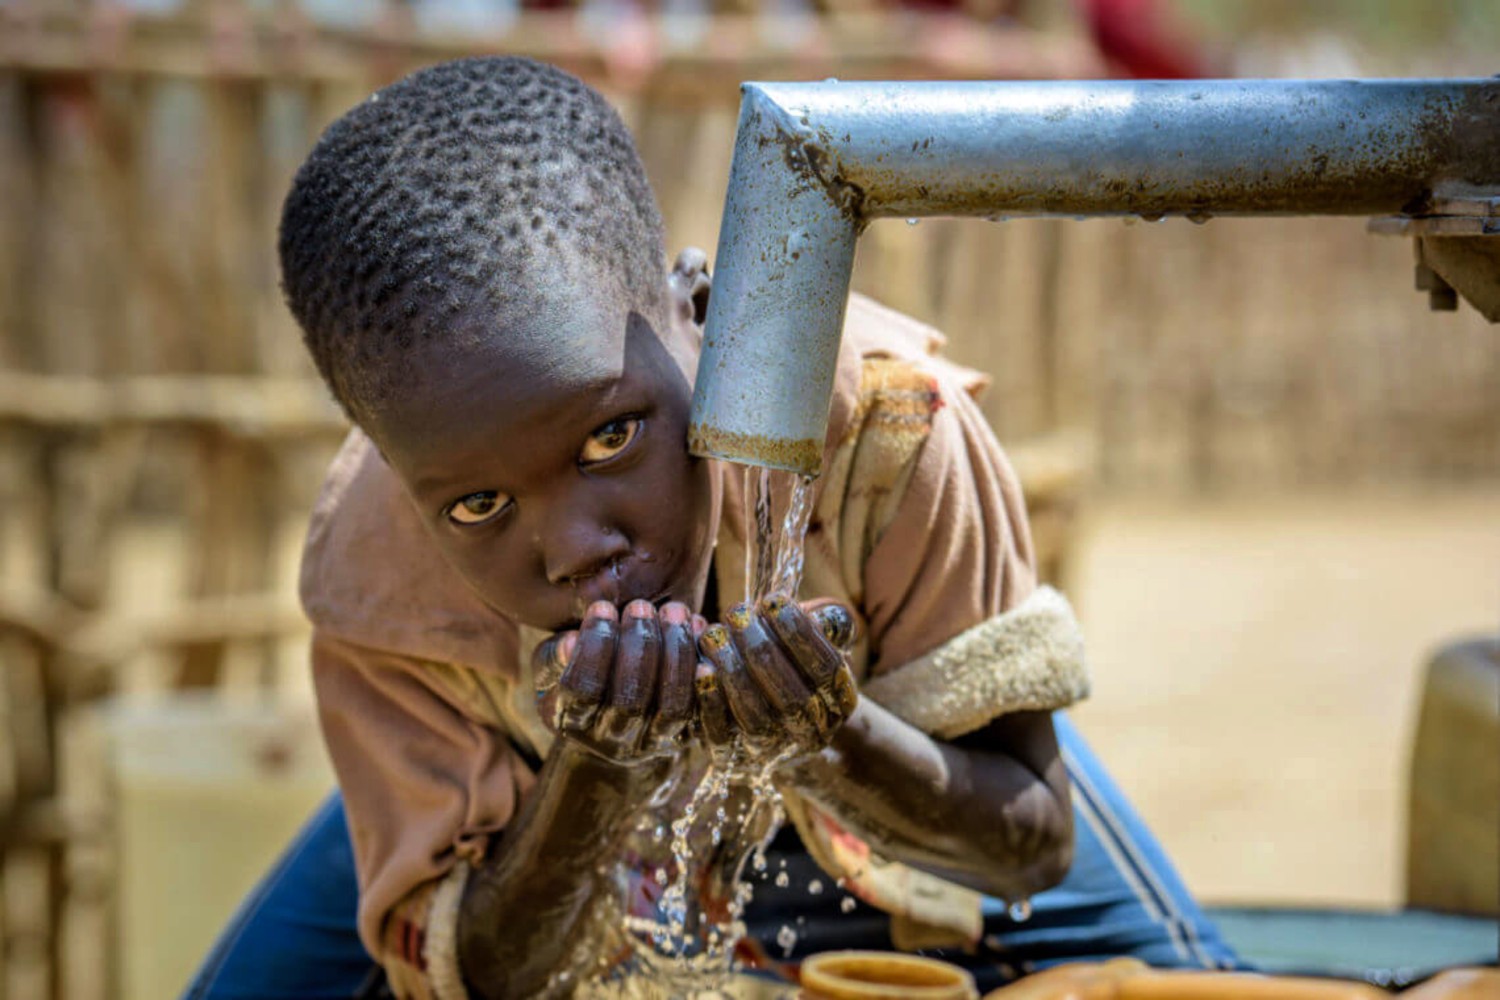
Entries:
{"x":815,"y":163}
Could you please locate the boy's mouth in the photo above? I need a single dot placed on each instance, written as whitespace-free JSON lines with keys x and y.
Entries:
{"x":618,"y":588}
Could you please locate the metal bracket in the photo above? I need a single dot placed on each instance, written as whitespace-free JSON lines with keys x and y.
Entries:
{"x":1456,"y":254}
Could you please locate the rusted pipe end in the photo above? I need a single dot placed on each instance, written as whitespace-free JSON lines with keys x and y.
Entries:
{"x":803,"y":456}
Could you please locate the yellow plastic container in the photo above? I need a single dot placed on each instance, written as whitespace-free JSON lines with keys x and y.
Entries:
{"x":883,"y":975}
{"x":207,"y":795}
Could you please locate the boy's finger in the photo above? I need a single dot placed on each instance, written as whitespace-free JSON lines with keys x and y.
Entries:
{"x":745,"y":702}
{"x":836,"y":623}
{"x":713,"y":708}
{"x":586,"y":676}
{"x":778,"y":679}
{"x":679,"y":658}
{"x":550,"y":657}
{"x":638,"y":651}
{"x":821,"y":663}
{"x":803,"y":638}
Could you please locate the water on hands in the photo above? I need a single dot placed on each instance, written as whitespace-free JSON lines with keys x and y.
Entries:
{"x":698,"y":842}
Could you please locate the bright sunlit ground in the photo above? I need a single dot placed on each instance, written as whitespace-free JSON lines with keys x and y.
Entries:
{"x":1257,"y":671}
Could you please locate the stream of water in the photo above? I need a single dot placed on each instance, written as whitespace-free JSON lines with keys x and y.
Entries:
{"x":698,"y":844}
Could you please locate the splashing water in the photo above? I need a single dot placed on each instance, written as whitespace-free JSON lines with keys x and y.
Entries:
{"x":1020,"y":911}
{"x":725,"y":819}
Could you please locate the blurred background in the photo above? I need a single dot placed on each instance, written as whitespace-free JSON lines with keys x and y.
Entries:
{"x":1268,"y":476}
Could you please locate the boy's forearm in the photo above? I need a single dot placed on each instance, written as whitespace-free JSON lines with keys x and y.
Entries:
{"x":967,"y":812}
{"x":525,"y":907}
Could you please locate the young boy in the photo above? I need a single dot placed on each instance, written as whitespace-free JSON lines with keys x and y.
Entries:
{"x":528,"y":599}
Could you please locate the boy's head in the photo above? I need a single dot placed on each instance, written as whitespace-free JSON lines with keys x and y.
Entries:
{"x":467,"y":188}
{"x":477,"y":263}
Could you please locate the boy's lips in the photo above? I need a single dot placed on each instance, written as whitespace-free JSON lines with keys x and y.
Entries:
{"x":621,"y":589}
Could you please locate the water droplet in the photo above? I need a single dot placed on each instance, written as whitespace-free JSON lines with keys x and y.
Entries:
{"x":661,"y":876}
{"x":815,"y":887}
{"x":832,"y":79}
{"x":787,"y":938}
{"x":659,"y":834}
{"x":782,"y":881}
{"x":1020,"y":911}
{"x":847,"y":904}
{"x":912,"y":222}
{"x":759,"y":862}
{"x":1153,"y":216}
{"x":1199,"y":218}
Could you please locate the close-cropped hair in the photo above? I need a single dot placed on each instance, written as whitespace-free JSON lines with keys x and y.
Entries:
{"x":450,"y":191}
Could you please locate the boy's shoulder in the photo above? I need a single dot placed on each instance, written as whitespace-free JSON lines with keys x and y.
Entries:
{"x":371,"y":576}
{"x":884,"y":355}
{"x":876,"y":331}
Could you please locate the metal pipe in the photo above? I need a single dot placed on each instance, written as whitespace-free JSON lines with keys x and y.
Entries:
{"x":814,"y":163}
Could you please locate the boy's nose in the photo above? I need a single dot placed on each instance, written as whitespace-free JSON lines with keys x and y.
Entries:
{"x":581,"y":550}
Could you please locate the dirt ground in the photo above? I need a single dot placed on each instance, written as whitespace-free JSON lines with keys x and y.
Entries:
{"x":1257,"y":671}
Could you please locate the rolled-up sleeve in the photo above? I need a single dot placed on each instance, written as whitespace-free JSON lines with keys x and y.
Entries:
{"x":957,"y":550}
{"x":426,"y":783}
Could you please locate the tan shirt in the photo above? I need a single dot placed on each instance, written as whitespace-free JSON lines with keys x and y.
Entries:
{"x":424,"y":692}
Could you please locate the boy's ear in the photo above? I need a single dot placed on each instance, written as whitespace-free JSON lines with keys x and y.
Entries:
{"x":690,"y":284}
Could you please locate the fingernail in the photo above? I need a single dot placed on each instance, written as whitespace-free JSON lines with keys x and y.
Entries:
{"x":715,"y":637}
{"x":639,"y":609}
{"x":563,"y":651}
{"x":836,"y":624}
{"x":674,"y":614}
{"x":602,"y":609}
{"x":700,"y":625}
{"x":739,"y":616}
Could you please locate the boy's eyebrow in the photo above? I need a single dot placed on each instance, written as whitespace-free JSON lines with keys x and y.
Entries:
{"x":434,"y":483}
{"x":604,"y":405}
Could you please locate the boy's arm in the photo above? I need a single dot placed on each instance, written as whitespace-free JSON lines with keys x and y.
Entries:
{"x":449,"y":903}
{"x":618,"y":691}
{"x":990,"y":808}
{"x":526,"y":908}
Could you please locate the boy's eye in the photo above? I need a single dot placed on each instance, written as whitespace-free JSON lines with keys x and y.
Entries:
{"x":609,"y":440}
{"x":476,"y":508}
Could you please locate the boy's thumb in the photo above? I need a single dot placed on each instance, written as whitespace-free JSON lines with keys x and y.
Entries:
{"x":836,"y":621}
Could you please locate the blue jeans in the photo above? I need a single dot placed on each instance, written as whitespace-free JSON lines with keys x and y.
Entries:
{"x":294,"y":937}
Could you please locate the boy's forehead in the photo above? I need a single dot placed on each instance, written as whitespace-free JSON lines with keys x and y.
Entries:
{"x":547,"y":356}
{"x":566,"y":329}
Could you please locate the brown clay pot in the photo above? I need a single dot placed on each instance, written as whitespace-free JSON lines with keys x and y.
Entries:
{"x":883,"y":975}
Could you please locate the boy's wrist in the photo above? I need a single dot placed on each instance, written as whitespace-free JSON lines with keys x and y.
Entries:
{"x":637,"y":780}
{"x":577,"y":753}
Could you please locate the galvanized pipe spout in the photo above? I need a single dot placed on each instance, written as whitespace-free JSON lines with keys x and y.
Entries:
{"x":815,"y":163}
